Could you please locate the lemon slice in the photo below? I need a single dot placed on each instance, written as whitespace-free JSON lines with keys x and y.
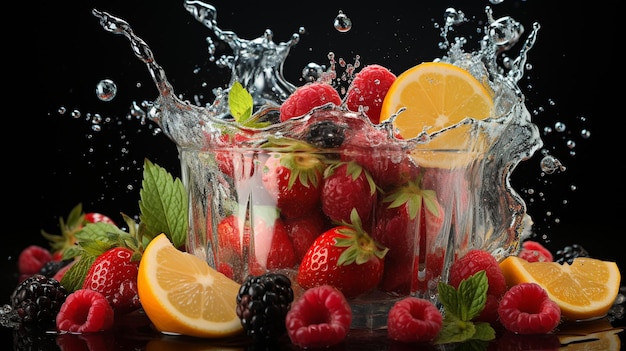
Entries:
{"x":438,"y":95}
{"x":586,"y":289}
{"x":182,"y":294}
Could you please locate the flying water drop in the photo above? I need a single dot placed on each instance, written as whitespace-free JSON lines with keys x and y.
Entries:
{"x":106,"y":90}
{"x":342,"y":23}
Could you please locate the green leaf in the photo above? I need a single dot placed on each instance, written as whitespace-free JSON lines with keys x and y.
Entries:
{"x":163,"y":204}
{"x":455,"y":330}
{"x":473,"y":295}
{"x":75,"y":276}
{"x":240,"y":103}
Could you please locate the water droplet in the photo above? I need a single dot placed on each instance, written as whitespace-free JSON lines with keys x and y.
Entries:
{"x":342,"y":22}
{"x":496,"y":2}
{"x":549,"y":164}
{"x":571,"y":144}
{"x":559,"y":126}
{"x":312,"y":72}
{"x":585,"y":133}
{"x":62,"y":110}
{"x":76,"y":114}
{"x":106,"y":90}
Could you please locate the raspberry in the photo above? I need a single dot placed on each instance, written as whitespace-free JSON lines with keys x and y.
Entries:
{"x":527,"y":309}
{"x":489,"y":314}
{"x":474,"y":261}
{"x":306,"y":98}
{"x":262,"y":304}
{"x":85,"y":311}
{"x":32,"y":259}
{"x":414,"y":320}
{"x":368,"y":90}
{"x":321,"y":317}
{"x":533,"y":251}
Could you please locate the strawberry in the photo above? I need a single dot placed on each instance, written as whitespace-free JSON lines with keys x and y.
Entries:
{"x":348,"y":186}
{"x":114,"y":275}
{"x":368,"y":89}
{"x":307,"y":97}
{"x":407,"y":216}
{"x":389,"y":165}
{"x":74,"y":222}
{"x":233,"y":236}
{"x":345,"y":257}
{"x":304,"y":230}
{"x":272,"y":246}
{"x":293,"y":176}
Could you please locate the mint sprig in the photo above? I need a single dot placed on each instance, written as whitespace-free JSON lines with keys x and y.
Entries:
{"x":164,"y":209}
{"x":460,"y":307}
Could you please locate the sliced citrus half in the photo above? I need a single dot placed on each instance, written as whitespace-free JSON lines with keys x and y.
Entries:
{"x":182,"y":294}
{"x":434,"y":96}
{"x":585,"y":289}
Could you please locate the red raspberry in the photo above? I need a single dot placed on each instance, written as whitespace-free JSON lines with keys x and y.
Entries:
{"x":85,"y":311}
{"x":307,"y":97}
{"x":368,"y":90}
{"x":32,"y":258}
{"x":321,"y":317}
{"x":527,"y":309}
{"x":414,"y":320}
{"x":533,"y":251}
{"x":474,"y":261}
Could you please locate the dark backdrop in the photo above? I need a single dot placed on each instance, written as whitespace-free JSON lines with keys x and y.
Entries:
{"x":573,"y":69}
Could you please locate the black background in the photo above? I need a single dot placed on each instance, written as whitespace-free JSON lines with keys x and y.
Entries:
{"x":55,"y":161}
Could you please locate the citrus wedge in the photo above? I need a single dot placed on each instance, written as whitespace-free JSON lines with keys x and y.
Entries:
{"x":437,"y":95}
{"x":182,"y":294}
{"x":586,"y":289}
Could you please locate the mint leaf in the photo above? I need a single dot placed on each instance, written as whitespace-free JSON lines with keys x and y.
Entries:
{"x":472,"y":293}
{"x":241,"y":103}
{"x":461,"y":306}
{"x":163,"y":205}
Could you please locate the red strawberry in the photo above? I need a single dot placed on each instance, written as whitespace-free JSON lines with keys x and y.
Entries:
{"x":232,"y":163}
{"x":293,"y":177}
{"x":408,"y":216}
{"x":272,"y":246}
{"x":95,"y":217}
{"x":345,"y":257}
{"x":114,"y":275}
{"x":388,"y":163}
{"x":307,"y":97}
{"x":368,"y":89}
{"x":233,"y":236}
{"x":533,"y":251}
{"x":304,"y":230}
{"x":348,"y":186}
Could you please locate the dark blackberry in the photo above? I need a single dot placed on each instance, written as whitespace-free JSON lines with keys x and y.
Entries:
{"x":262,"y":305}
{"x":569,"y":253}
{"x":325,"y":134}
{"x":51,"y":268}
{"x":36,"y":301}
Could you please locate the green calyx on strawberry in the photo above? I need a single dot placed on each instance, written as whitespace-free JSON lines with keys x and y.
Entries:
{"x":74,"y":223}
{"x":413,"y":196}
{"x":292,"y":175}
{"x":342,"y":256}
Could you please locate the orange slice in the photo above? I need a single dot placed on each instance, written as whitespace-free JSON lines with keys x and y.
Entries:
{"x":437,"y":95}
{"x":182,"y":294}
{"x":586,"y":289}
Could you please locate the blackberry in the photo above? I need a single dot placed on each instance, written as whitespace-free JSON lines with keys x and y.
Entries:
{"x":569,"y":253}
{"x":325,"y":134}
{"x":51,"y":268}
{"x":262,"y":305}
{"x":36,"y":301}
